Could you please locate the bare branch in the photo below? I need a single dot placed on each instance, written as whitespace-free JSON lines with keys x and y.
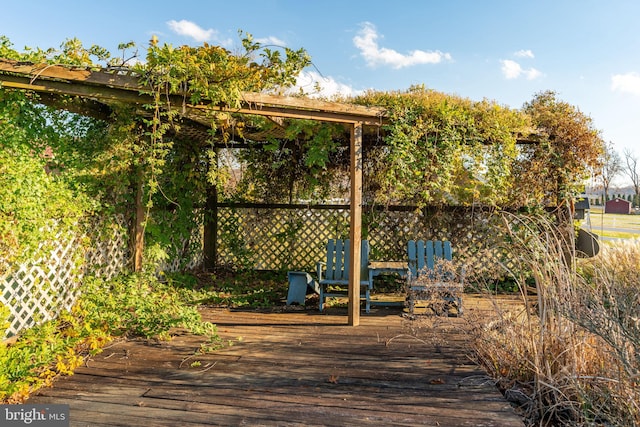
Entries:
{"x":632,"y":171}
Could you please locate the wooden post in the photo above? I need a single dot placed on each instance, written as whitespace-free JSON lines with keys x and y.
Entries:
{"x":137,"y":235}
{"x":355,"y":234}
{"x":211,"y":224}
{"x":211,"y":229}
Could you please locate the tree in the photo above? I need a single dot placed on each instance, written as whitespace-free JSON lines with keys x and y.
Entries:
{"x":633,"y":172}
{"x":568,"y":151}
{"x":611,"y":167}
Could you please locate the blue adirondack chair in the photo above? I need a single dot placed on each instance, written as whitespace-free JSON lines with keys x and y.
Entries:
{"x":333,"y":274}
{"x":430,"y":279}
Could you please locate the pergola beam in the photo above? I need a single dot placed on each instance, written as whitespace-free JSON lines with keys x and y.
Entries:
{"x":116,"y":87}
{"x":191,"y":111}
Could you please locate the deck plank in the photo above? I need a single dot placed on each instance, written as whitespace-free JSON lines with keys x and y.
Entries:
{"x":289,"y":369}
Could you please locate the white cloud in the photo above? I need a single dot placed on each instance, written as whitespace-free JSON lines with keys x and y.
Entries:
{"x":191,"y":29}
{"x":532,"y":74}
{"x":626,"y":83}
{"x":271,"y":40}
{"x":524,"y":54}
{"x":513,"y":70}
{"x":317,"y":86}
{"x":367,"y":42}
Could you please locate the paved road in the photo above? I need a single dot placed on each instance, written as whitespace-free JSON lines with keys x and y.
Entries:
{"x":614,"y":229}
{"x":598,"y":231}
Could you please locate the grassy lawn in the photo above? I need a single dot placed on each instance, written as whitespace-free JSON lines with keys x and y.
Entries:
{"x":601,"y":222}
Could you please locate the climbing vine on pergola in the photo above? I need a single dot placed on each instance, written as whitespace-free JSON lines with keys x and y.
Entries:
{"x":429,"y":148}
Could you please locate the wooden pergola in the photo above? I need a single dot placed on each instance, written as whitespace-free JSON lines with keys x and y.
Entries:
{"x":102,"y":86}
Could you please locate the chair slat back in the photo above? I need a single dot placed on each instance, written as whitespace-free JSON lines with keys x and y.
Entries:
{"x":424,"y":255}
{"x":338,"y":260}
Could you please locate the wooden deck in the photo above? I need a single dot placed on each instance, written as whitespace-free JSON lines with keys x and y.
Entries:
{"x":297,"y":368}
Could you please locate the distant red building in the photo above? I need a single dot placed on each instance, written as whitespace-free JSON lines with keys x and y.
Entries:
{"x":617,"y":206}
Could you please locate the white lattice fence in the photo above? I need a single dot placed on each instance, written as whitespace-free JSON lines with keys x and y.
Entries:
{"x":189,"y":253}
{"x":108,"y":252}
{"x":39,"y":290}
{"x":185,"y":247}
{"x":478,"y":238}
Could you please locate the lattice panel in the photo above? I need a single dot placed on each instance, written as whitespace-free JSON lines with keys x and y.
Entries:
{"x":185,"y":249}
{"x":39,"y":290}
{"x":288,"y":239}
{"x":269,"y":239}
{"x":108,"y":253}
{"x":189,"y":253}
{"x":478,"y":239}
{"x":277,"y":239}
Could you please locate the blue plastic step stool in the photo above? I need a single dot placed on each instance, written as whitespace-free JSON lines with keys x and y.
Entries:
{"x":299,"y":283}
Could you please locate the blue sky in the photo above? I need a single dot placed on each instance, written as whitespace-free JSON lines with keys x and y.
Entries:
{"x":505,"y":50}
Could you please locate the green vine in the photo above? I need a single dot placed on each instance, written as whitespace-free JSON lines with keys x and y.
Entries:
{"x":29,"y":175}
{"x":439,"y":149}
{"x":145,"y":147}
{"x":127,"y":306}
{"x":201,"y":76}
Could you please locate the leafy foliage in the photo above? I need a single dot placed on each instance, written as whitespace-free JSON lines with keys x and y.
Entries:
{"x":139,"y":305}
{"x":301,"y":164}
{"x":28,"y":176}
{"x":569,"y":149}
{"x":209,"y":75}
{"x":214,"y":75}
{"x":133,"y":150}
{"x":127,"y":306}
{"x":245,"y":289}
{"x":444,"y":149}
{"x":439,"y":150}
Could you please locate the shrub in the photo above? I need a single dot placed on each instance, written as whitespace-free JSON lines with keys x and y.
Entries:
{"x":569,"y":353}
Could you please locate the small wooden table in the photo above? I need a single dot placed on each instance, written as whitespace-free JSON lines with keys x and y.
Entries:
{"x":377,"y":268}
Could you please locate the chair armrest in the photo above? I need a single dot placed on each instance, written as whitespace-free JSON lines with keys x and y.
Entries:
{"x":463,"y":272}
{"x":319,"y":266}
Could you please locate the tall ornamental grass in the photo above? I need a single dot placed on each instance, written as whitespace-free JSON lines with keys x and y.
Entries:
{"x":570,"y":353}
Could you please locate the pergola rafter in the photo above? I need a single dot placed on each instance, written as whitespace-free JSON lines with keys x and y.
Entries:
{"x":103,"y":86}
{"x":116,"y":86}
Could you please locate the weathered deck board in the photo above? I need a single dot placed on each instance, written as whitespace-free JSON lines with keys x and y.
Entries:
{"x":289,"y":369}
